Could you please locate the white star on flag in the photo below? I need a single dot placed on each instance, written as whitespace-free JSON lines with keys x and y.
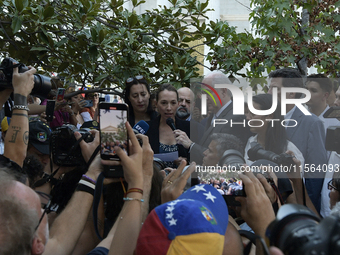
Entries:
{"x":169,"y":215}
{"x":169,"y":208}
{"x":172,"y":222}
{"x":209,"y":196}
{"x":198,"y":188}
{"x":173,"y":203}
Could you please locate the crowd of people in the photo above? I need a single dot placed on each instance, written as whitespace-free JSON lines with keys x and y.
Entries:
{"x":47,"y":208}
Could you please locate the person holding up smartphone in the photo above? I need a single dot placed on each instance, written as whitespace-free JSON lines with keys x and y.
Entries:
{"x":76,"y":104}
{"x":91,"y":110}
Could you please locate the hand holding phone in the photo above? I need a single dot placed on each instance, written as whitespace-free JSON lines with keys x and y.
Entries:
{"x":132,"y":164}
{"x":87,"y":103}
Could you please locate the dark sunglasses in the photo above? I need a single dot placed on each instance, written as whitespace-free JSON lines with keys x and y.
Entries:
{"x":137,"y":77}
{"x":46,"y":210}
{"x":330,"y":185}
{"x":96,"y":95}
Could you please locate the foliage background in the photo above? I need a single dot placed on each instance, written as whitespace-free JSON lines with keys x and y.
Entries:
{"x":99,"y":42}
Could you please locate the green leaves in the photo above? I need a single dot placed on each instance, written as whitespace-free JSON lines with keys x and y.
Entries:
{"x":16,"y":24}
{"x":20,"y":4}
{"x":48,"y":12}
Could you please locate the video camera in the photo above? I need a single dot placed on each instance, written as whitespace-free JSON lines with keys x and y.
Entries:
{"x":64,"y":146}
{"x":297,"y":230}
{"x":257,"y":152}
{"x":42,"y":84}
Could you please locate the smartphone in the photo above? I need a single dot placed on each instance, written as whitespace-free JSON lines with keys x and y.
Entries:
{"x":112,"y":118}
{"x":50,"y":110}
{"x":235,"y":192}
{"x":60,"y":94}
{"x":89,"y":103}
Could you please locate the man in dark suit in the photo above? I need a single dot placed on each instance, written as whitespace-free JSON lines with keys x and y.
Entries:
{"x":236,"y":124}
{"x":308,"y":134}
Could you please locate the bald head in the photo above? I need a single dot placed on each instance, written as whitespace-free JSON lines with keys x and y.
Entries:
{"x":20,"y":217}
{"x":212,"y":79}
{"x":186,"y":101}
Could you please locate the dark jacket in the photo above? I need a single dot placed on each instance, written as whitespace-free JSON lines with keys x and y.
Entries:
{"x":152,"y":115}
{"x":153,"y":134}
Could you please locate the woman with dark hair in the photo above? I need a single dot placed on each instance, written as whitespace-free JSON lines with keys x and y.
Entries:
{"x":161,"y":136}
{"x":270,"y":133}
{"x":137,"y":96}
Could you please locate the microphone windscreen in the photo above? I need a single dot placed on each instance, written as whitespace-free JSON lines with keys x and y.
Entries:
{"x":141,"y":127}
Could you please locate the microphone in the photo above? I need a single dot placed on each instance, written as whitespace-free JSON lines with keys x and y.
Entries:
{"x":141,"y":127}
{"x":171,"y":123}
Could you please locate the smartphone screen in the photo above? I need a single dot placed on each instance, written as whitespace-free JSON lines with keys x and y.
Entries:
{"x":112,"y":118}
{"x":60,"y":95}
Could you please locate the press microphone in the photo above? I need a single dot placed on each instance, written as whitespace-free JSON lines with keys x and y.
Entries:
{"x":141,"y":127}
{"x":171,"y":123}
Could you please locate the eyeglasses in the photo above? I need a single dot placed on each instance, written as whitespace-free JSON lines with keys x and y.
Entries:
{"x":46,"y":210}
{"x":137,"y":77}
{"x":95,"y":95}
{"x":330,"y":186}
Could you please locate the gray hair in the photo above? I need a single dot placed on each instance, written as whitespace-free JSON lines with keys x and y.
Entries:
{"x":227,"y":142}
{"x":217,"y":77}
{"x":17,"y":220}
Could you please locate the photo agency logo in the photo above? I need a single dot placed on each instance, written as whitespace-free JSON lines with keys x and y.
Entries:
{"x":239,"y":103}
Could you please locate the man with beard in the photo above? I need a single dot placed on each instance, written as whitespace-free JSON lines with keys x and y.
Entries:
{"x":186,"y":101}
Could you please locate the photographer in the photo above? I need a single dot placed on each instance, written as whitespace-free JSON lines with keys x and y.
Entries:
{"x":16,"y":139}
{"x":66,"y":229}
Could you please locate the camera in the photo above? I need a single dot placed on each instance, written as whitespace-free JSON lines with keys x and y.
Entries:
{"x":297,"y":230}
{"x":64,"y":147}
{"x":257,"y":152}
{"x":333,"y":139}
{"x":42,"y":84}
{"x":233,"y":159}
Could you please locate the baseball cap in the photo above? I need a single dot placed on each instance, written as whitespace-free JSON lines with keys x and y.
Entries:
{"x":195,"y":223}
{"x":39,"y":136}
{"x":5,"y":124}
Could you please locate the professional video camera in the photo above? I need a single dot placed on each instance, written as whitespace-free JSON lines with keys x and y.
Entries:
{"x":257,"y":152}
{"x":42,"y":84}
{"x":297,"y":230}
{"x":64,"y":146}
